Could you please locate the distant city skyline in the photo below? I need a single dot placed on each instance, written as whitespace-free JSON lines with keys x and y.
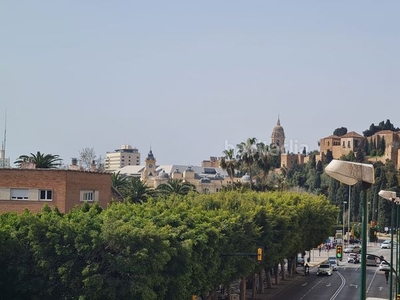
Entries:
{"x":189,"y":78}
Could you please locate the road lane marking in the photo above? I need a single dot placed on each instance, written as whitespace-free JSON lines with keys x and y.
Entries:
{"x":340,"y":287}
{"x":373,"y":277}
{"x":311,"y":288}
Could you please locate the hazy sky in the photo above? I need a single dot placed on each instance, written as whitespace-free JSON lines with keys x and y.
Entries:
{"x":189,"y":78}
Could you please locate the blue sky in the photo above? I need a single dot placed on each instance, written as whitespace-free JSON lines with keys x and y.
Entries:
{"x":188,"y":78}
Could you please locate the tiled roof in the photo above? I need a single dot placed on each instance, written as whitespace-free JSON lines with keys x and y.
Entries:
{"x":332,"y":137}
{"x":352,"y":134}
{"x":387,"y":132}
{"x":208,"y":172}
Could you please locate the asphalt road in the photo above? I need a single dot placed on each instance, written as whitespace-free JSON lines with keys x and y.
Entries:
{"x":344,"y":284}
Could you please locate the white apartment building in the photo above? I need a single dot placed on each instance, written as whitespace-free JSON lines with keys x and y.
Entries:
{"x":125,"y":156}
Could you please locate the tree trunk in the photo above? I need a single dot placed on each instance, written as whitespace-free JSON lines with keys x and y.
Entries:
{"x":253,"y":280}
{"x":261,"y":282}
{"x":276,"y":274}
{"x":243,"y":289}
{"x":283,"y":270}
{"x":268,"y":278}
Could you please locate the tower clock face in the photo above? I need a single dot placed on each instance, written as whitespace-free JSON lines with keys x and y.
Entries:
{"x":150,"y":166}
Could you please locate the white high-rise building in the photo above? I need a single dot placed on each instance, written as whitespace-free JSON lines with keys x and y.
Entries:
{"x":125,"y":156}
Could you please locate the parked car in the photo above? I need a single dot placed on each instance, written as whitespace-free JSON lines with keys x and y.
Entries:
{"x":352,"y":249}
{"x":384,"y":266}
{"x":325,"y":269}
{"x":387,"y":244}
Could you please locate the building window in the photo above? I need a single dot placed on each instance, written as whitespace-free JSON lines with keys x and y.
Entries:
{"x":348,"y":144}
{"x":19,"y":194}
{"x":45,"y":195}
{"x":89,"y":196}
{"x":344,"y":144}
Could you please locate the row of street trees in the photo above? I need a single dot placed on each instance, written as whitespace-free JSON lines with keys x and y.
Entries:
{"x":166,"y":248}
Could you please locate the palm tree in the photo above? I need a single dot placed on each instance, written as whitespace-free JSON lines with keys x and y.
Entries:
{"x":40,"y":160}
{"x":264,"y":160}
{"x":228,"y":163}
{"x":175,"y":186}
{"x":248,"y":154}
{"x":137,"y":191}
{"x":119,"y":181}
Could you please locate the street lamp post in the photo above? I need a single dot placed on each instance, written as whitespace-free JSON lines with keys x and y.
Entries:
{"x":348,"y":217}
{"x":397,"y":248}
{"x":350,"y":173}
{"x":391,"y":196}
{"x":344,"y":209}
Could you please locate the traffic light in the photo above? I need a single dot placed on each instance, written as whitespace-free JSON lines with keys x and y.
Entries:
{"x":339,"y":251}
{"x":259,"y":254}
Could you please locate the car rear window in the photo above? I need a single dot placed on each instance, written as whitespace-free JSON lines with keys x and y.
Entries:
{"x":324,"y":266}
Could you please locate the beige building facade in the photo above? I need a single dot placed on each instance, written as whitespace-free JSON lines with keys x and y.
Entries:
{"x":207,"y":178}
{"x":288,"y":160}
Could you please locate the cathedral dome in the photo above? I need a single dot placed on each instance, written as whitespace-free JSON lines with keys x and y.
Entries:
{"x":163,"y":175}
{"x":245,"y":178}
{"x":205,"y":180}
{"x":278,"y":131}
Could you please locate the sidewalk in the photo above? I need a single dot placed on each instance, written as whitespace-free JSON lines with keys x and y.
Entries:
{"x":316,"y":259}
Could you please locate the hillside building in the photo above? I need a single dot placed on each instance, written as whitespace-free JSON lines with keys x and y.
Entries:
{"x":352,"y":142}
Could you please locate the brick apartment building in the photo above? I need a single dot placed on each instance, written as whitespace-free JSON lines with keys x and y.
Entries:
{"x":32,"y":188}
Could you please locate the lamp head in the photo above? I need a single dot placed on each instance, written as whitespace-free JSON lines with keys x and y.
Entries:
{"x":388,"y":195}
{"x":350,"y":172}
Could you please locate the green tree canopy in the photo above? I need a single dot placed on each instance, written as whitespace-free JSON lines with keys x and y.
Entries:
{"x":382,"y":126}
{"x":165,"y":248}
{"x":340,"y":131}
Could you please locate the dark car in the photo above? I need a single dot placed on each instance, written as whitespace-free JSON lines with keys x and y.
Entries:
{"x":355,"y":241}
